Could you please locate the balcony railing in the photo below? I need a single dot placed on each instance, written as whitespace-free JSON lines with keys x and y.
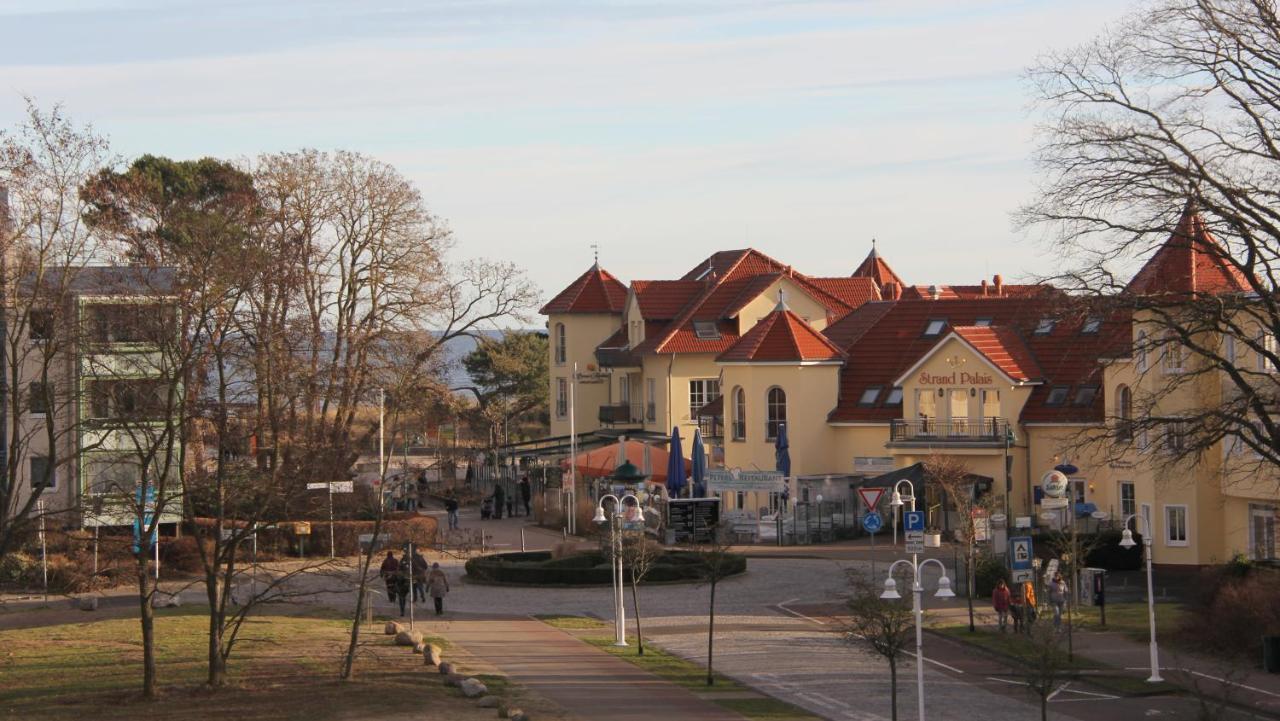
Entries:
{"x":617,"y":358}
{"x":975,"y":430}
{"x":616,"y":414}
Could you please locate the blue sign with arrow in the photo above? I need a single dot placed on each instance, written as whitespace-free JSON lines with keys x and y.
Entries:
{"x":913,"y":520}
{"x":1020,"y":553}
{"x":872,"y":522}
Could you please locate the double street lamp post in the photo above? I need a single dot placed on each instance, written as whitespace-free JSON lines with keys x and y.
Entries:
{"x":1126,"y":541}
{"x":615,"y":542}
{"x":917,"y":589}
{"x":897,"y":502}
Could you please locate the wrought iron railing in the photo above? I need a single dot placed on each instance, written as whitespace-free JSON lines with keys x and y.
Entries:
{"x":984,"y":430}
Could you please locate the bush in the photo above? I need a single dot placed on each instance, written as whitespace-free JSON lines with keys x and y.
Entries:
{"x":987,"y":570}
{"x":1241,"y":601}
{"x":538,"y":568}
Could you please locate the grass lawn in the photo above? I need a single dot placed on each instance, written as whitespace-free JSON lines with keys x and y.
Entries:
{"x":1131,"y":619}
{"x":683,"y":673}
{"x":285,"y":667}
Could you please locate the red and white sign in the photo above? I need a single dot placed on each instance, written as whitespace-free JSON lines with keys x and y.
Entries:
{"x":870,"y":496}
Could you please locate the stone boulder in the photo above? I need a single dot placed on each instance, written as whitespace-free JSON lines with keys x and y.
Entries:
{"x":454,"y":679}
{"x":408,"y":638}
{"x":432,"y":655}
{"x":488,"y":702}
{"x":516,"y":714}
{"x":473,"y":688}
{"x":446,"y":667}
{"x":392,"y":628}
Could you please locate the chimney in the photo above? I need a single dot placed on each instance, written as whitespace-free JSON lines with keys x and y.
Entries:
{"x":984,"y":287}
{"x":999,"y":284}
{"x":935,"y":292}
{"x":891,"y":291}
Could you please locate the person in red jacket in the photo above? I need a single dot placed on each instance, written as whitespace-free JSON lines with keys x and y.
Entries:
{"x":1000,"y":599}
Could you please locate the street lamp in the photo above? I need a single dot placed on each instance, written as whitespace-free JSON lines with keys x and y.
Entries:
{"x":1126,"y":541}
{"x":917,"y":589}
{"x":896,"y":504}
{"x":615,"y":543}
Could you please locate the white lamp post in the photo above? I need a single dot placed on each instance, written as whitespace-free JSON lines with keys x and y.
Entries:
{"x":1126,"y":541}
{"x":917,"y":589}
{"x":615,"y":542}
{"x":896,"y":503}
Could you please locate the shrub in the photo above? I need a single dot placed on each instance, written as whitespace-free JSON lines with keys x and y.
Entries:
{"x":988,"y":569}
{"x":1241,"y":601}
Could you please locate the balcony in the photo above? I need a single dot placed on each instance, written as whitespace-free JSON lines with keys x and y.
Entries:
{"x":985,"y":432}
{"x":621,"y":414}
{"x":617,"y":358}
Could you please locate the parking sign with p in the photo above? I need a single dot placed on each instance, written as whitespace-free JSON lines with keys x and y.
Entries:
{"x":913,"y":520}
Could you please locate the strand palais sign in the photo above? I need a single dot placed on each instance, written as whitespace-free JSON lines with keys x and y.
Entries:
{"x":955,"y":378}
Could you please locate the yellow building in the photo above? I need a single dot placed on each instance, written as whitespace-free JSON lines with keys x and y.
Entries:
{"x":870,"y":375}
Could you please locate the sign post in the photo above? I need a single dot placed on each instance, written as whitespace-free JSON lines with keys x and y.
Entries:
{"x":913,"y":525}
{"x":1021,"y":554}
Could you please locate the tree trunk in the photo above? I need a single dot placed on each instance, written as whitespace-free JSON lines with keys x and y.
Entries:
{"x":711,"y":635}
{"x":147,"y":617}
{"x":217,"y":664}
{"x":893,"y":688}
{"x":1044,"y":708}
{"x":349,"y":660}
{"x":635,"y":602}
{"x":970,"y":582}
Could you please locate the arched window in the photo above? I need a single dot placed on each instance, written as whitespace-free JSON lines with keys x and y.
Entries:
{"x":561,"y":348}
{"x":1124,"y":413}
{"x":1140,"y":351}
{"x":777,"y":412}
{"x":739,"y":414}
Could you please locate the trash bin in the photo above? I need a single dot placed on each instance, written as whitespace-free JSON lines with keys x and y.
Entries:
{"x":1271,"y":654}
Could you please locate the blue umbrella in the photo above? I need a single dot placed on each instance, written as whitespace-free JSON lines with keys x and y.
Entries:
{"x":782,"y":452}
{"x":698,"y":465}
{"x":675,"y":464}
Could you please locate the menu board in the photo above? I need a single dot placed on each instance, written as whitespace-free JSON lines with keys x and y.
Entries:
{"x":693,"y":520}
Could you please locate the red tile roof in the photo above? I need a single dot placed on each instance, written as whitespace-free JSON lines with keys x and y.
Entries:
{"x":853,"y":292}
{"x":664,"y":299}
{"x":781,"y":336}
{"x":1191,"y":261}
{"x":595,"y":291}
{"x":885,"y":343}
{"x":1003,"y":347}
{"x":876,"y":269}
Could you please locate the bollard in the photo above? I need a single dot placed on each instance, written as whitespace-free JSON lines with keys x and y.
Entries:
{"x":522,"y":540}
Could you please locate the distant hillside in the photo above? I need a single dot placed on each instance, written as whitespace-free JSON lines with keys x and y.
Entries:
{"x":458,"y":348}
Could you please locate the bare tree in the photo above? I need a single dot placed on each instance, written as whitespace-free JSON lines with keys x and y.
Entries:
{"x":715,"y":563}
{"x":1167,"y":128}
{"x":44,"y":244}
{"x":639,"y":554}
{"x":883,"y":626}
{"x":1044,"y":663}
{"x":962,"y":494}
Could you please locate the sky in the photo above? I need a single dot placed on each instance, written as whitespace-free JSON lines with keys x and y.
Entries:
{"x":658,"y":130}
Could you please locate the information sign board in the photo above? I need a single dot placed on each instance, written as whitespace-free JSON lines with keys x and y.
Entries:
{"x":693,"y":519}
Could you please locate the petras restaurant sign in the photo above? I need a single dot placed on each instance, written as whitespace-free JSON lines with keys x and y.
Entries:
{"x":955,"y":378}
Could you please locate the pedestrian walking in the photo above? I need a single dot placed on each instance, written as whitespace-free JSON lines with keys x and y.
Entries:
{"x":390,"y":567}
{"x":1030,"y":612}
{"x":1018,"y":610}
{"x":451,"y":507}
{"x":420,"y":570}
{"x":1058,"y":598}
{"x":1000,"y":598}
{"x":438,"y":587}
{"x":526,"y":494}
{"x":404,"y":580}
{"x":499,"y":500}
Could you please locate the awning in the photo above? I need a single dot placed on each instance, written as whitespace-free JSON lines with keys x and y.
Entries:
{"x":914,"y":473}
{"x":714,"y":409}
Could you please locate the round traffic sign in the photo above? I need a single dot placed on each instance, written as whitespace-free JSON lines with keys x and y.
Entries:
{"x":872,"y":522}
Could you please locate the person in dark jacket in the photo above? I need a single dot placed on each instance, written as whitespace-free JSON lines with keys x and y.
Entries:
{"x":420,"y":570}
{"x":389,"y":569}
{"x":404,"y":575}
{"x":526,"y":494}
{"x":451,"y":508}
{"x":499,"y":499}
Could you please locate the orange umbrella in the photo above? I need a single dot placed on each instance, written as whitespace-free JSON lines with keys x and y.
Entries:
{"x":601,"y":462}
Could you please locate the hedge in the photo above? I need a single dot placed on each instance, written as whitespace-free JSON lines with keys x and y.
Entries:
{"x":538,"y":568}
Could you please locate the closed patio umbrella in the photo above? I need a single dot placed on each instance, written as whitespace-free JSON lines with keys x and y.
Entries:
{"x":698,"y":465}
{"x":675,"y":464}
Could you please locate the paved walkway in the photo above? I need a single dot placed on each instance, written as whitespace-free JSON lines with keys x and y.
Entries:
{"x":585,"y":681}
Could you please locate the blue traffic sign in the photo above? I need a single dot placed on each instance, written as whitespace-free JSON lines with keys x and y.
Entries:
{"x":1020,"y":553}
{"x":872,"y":522}
{"x":913,"y":520}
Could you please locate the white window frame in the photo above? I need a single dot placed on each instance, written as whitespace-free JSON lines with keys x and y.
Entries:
{"x":703,"y":392}
{"x":1185,"y":541}
{"x":1267,"y":343}
{"x":1174,"y":358}
{"x":1262,"y":512}
{"x":769,"y":422}
{"x":1132,"y":500}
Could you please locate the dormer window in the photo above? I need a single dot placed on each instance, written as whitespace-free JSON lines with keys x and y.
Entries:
{"x":1085,"y":395}
{"x":1091,"y":326}
{"x":1057,"y":395}
{"x":870,"y":396}
{"x":982,"y":322}
{"x":1045,"y":326}
{"x":934,"y":328}
{"x":706,"y":329}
